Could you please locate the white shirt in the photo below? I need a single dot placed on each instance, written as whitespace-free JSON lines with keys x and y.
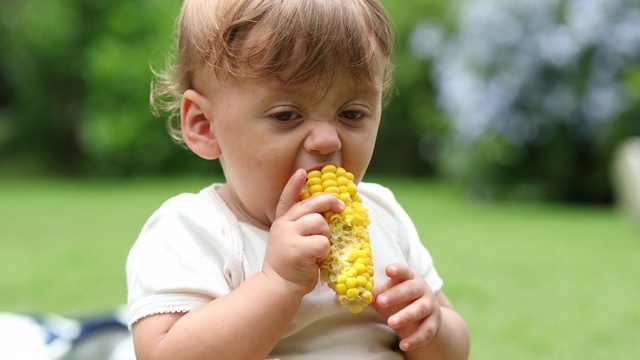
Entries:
{"x":193,"y":250}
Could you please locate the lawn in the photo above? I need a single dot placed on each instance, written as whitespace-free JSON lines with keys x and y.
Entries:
{"x":533,"y":281}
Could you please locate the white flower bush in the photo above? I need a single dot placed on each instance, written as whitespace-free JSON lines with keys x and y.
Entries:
{"x":520,"y":70}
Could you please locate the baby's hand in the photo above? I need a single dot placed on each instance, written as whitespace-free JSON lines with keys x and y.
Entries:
{"x":299,"y":237}
{"x":409,"y":306}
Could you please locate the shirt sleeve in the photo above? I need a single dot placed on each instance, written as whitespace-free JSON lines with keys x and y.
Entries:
{"x":182,"y":259}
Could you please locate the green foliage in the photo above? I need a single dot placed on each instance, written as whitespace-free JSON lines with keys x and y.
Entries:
{"x":413,"y":129}
{"x":77,"y":75}
{"x":78,"y":78}
{"x":41,"y":85}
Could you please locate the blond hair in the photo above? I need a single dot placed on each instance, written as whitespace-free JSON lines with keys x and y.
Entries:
{"x":295,"y":40}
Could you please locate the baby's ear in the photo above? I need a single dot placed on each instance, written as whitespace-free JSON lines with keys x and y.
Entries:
{"x":197,"y":126}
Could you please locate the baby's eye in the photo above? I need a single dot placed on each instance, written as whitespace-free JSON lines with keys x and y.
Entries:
{"x":286,"y":116}
{"x":351,"y":114}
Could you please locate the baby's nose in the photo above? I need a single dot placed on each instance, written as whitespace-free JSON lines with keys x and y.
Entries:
{"x":323,"y":139}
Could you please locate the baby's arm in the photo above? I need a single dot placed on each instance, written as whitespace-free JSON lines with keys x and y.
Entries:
{"x":248,"y":322}
{"x":426,"y":323}
{"x":245,"y":324}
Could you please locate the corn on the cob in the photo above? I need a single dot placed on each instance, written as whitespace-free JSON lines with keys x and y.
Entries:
{"x":348,"y":269}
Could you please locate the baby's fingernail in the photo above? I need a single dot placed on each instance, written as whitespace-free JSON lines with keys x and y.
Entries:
{"x":394,"y":322}
{"x":405,"y":345}
{"x":382,"y":300}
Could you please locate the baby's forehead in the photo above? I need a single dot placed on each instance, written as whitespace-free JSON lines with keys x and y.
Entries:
{"x":286,"y":83}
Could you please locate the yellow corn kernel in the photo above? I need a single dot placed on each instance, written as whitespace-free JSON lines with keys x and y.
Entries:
{"x":360,"y":268}
{"x":348,"y":269}
{"x":329,"y":176}
{"x":353,"y":255}
{"x":329,"y":168}
{"x":369,"y":285}
{"x":314,"y":181}
{"x":343,"y":182}
{"x":314,"y":174}
{"x":368,"y":296}
{"x":352,"y":293}
{"x":345,"y":197}
{"x":333,"y":189}
{"x":314,"y":189}
{"x":330,"y":184}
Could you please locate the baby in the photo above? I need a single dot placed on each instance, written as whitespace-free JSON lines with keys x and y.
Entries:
{"x":274,"y":89}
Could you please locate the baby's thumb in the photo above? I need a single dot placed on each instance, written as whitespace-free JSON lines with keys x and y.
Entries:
{"x":291,"y":192}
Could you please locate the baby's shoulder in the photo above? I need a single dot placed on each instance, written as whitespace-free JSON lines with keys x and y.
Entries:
{"x":194,"y":220}
{"x":192,"y":208}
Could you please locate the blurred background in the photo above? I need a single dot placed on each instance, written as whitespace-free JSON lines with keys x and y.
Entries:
{"x":500,"y":139}
{"x":511,"y":98}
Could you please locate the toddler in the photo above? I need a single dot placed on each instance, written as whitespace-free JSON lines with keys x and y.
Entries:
{"x":274,"y":89}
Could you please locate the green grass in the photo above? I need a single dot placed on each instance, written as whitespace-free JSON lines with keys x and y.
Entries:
{"x":64,"y":243}
{"x":533,"y":281}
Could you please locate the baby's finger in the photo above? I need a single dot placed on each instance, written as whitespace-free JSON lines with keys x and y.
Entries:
{"x":402,"y":293}
{"x":399,"y":272}
{"x":291,"y":192}
{"x":413,"y":313}
{"x":317,"y":247}
{"x":319,"y":203}
{"x":424,"y":332}
{"x":313,"y":224}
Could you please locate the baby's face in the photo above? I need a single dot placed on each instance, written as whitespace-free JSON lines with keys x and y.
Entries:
{"x":266,"y":132}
